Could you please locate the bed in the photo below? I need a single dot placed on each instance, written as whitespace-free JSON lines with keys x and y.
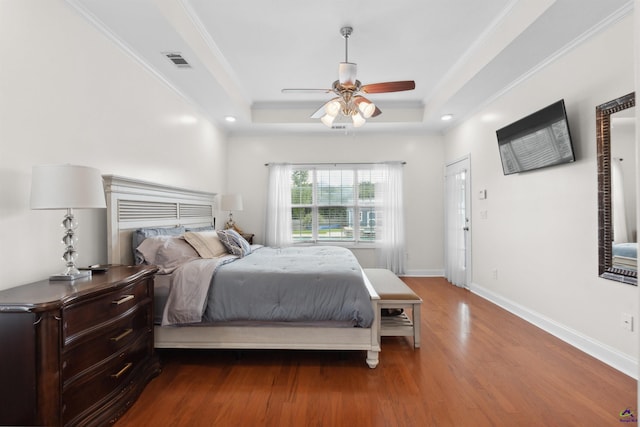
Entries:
{"x":133,"y":205}
{"x":624,"y":256}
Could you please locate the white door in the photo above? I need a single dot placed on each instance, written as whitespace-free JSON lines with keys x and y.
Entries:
{"x":457,"y":222}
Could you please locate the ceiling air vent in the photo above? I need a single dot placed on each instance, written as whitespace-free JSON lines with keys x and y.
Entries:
{"x":177,"y":59}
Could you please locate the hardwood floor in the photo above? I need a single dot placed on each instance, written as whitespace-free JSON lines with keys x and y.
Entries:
{"x":478,"y":366}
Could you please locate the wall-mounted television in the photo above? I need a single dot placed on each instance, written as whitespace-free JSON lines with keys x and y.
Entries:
{"x":539,"y":140}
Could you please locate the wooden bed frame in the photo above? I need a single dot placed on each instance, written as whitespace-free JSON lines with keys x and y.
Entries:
{"x":133,"y":204}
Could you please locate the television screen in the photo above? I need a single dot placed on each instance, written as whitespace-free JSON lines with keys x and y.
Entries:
{"x":539,"y":140}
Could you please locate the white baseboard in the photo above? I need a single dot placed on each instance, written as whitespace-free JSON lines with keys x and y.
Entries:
{"x":600,"y":351}
{"x":424,"y":273}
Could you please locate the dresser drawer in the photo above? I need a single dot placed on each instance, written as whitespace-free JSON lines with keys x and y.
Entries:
{"x":94,"y":386}
{"x":108,"y":341}
{"x":80,"y":318}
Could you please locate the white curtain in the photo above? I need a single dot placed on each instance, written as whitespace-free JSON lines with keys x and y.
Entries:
{"x":455,"y":221}
{"x":390,"y":236}
{"x":278,"y":227}
{"x":618,"y":207}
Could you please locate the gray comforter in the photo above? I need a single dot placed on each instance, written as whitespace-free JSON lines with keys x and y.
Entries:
{"x":302,"y":284}
{"x":293,"y":284}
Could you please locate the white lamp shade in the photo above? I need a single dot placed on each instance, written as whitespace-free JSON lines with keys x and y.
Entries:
{"x":358,"y":120}
{"x":332,"y":108}
{"x":231,"y":202}
{"x":66,"y":186}
{"x":366,"y":109}
{"x":328,"y":120}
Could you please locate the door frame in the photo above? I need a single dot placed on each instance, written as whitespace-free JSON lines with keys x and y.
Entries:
{"x":468,"y":214}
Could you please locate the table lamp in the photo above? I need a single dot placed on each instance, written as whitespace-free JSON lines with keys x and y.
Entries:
{"x":231,"y":202}
{"x":67,"y":187}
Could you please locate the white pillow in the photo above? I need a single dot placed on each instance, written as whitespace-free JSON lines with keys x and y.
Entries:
{"x":206,"y":243}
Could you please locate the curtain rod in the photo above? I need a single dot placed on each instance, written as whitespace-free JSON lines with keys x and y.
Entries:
{"x":335,"y":163}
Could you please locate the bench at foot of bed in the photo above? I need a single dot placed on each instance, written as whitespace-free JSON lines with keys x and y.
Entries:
{"x":396,"y":296}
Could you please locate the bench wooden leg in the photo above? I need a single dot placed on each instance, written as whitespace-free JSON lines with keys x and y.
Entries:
{"x":415,"y":314}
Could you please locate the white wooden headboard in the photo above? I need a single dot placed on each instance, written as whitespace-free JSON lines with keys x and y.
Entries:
{"x":134,"y":204}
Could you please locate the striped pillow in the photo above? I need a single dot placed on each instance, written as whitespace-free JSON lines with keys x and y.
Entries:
{"x":234,"y":242}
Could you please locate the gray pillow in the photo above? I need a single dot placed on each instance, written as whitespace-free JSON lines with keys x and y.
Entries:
{"x":167,"y":252}
{"x":204,"y":228}
{"x":140,"y":234}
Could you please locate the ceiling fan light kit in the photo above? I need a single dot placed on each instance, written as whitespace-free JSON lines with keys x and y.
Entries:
{"x":366,"y":107}
{"x":348,"y":102}
{"x":358,"y":108}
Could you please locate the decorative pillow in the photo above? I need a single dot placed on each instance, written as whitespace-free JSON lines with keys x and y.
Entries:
{"x":235,"y":243}
{"x":206,"y":243}
{"x":140,"y":234}
{"x":167,"y":252}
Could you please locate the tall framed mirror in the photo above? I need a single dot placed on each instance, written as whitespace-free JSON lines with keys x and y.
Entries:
{"x":617,"y":232}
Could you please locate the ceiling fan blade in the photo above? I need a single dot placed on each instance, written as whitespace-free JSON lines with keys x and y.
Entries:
{"x":307,"y":90}
{"x":389,"y":87}
{"x":319,"y":112}
{"x":376,"y":113}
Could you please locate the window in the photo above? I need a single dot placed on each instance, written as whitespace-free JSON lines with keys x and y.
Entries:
{"x":334,"y":203}
{"x":339,"y":203}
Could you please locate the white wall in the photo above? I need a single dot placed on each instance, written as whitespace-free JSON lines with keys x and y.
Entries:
{"x":69,"y":95}
{"x":541,"y":231}
{"x":423,"y":172}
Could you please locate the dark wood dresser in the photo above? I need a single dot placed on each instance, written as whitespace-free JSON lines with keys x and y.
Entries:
{"x":76,"y":353}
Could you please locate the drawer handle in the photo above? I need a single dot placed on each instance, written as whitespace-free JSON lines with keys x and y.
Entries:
{"x":122,"y":335}
{"x":123,"y":299}
{"x":122,"y":371}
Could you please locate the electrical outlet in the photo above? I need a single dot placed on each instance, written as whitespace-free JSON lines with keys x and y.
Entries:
{"x":627,"y":321}
{"x":494,"y":273}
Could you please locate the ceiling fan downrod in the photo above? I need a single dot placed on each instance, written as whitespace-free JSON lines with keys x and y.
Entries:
{"x":346,"y":32}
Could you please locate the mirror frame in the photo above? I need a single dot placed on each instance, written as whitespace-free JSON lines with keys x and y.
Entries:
{"x":605,"y":226}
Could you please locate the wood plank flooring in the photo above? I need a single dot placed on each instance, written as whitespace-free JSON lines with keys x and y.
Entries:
{"x":478,"y":366}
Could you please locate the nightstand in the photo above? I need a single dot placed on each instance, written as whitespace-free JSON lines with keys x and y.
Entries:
{"x":81,"y":351}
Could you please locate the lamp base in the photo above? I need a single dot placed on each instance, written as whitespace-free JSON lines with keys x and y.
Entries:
{"x":69,"y":277}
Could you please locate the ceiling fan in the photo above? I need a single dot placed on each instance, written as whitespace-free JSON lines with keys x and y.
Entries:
{"x":348,"y":101}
